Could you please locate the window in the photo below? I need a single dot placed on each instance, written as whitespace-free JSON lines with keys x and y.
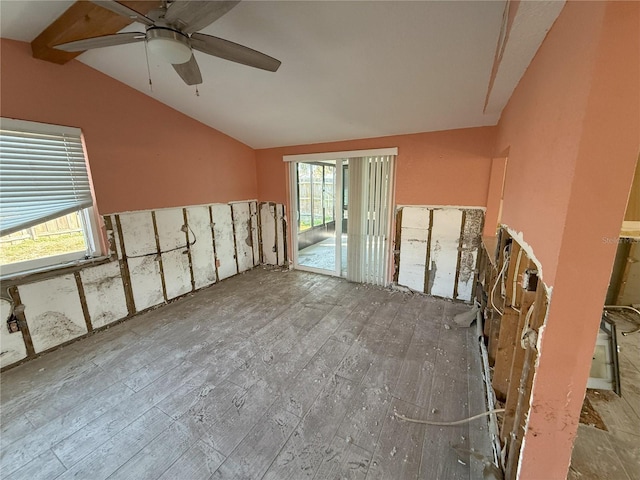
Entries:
{"x":46,"y":206}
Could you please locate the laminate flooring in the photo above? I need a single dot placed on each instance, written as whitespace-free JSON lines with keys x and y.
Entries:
{"x":272,"y":374}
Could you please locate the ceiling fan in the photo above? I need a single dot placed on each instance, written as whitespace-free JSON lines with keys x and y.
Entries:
{"x":172,"y":34}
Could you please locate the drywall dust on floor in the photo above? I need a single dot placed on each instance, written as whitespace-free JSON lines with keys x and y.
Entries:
{"x":12,"y":347}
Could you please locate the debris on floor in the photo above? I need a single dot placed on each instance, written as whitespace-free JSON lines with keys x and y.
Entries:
{"x":465,"y":319}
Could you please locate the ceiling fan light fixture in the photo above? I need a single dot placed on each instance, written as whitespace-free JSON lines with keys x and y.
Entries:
{"x":169,"y":45}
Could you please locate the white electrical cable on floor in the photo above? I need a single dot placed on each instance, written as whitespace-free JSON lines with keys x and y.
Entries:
{"x":449,"y":424}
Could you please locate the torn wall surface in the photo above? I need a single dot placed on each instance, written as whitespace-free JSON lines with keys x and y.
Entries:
{"x":158,"y":256}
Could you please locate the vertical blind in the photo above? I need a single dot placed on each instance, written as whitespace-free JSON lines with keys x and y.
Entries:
{"x":369,"y":211}
{"x":43,"y":174}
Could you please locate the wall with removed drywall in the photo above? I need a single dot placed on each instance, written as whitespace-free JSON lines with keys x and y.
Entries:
{"x":142,"y":153}
{"x":572,"y":131}
{"x":437,"y":249}
{"x":159,"y":255}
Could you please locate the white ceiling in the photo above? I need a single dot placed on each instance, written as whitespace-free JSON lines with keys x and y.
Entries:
{"x":349,"y":70}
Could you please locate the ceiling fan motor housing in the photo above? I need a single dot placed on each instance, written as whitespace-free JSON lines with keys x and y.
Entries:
{"x":168,"y":44}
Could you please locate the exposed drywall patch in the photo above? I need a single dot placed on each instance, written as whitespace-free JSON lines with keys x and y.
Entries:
{"x":280,"y":234}
{"x":253,"y":209}
{"x":202,"y":256}
{"x":138,"y":233}
{"x":225,"y":243}
{"x":53,"y":311}
{"x":268,"y":230}
{"x":445,"y":237}
{"x":177,"y":276}
{"x":170,"y":234}
{"x":104,"y":293}
{"x":12,"y":346}
{"x":468,"y":256}
{"x":244,"y":240}
{"x":413,"y":247}
{"x":113,"y":237}
{"x":146,"y":282}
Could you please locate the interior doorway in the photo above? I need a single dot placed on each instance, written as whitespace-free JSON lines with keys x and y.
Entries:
{"x":342,"y":205}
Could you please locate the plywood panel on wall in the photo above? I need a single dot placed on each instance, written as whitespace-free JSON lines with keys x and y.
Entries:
{"x":243,"y":238}
{"x":104,"y":293}
{"x":224,"y":240}
{"x":53,"y":311}
{"x":11,"y":344}
{"x":413,"y":247}
{"x":202,"y":256}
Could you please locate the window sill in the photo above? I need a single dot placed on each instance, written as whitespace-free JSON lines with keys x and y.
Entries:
{"x":44,"y":273}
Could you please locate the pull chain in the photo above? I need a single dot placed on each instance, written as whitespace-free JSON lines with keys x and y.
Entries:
{"x":146,"y":53}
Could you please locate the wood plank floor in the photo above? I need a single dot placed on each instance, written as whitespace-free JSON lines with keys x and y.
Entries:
{"x":271,"y":374}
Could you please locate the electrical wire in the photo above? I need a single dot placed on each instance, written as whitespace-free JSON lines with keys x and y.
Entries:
{"x":449,"y":424}
{"x":524,"y":335}
{"x":187,"y":246}
{"x":505,"y":263}
{"x":514,"y":294}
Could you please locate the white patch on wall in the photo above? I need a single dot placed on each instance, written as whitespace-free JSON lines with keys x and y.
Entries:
{"x":12,"y":347}
{"x":244,"y":247}
{"x":445,"y":238}
{"x":173,"y":245}
{"x":104,"y":293}
{"x":53,"y":311}
{"x":469,"y":253}
{"x":442,"y":252}
{"x":268,"y":223}
{"x":202,"y":256}
{"x":146,"y":283}
{"x":223,"y":234}
{"x":413,"y":247}
{"x":253,"y":208}
{"x":137,"y":231}
{"x":177,"y":275}
{"x":280,"y":232}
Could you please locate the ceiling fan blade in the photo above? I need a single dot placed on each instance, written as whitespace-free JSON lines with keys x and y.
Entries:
{"x":234,"y":52}
{"x":103,"y":41}
{"x":189,"y":71}
{"x":123,"y":10}
{"x":190,"y":16}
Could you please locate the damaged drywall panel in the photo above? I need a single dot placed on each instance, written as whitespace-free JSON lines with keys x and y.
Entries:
{"x":177,"y":275}
{"x":470,"y":242}
{"x":268,"y":230}
{"x":280,"y":234}
{"x":172,"y":240}
{"x":142,"y":258}
{"x":202,"y":255}
{"x":138,"y":233}
{"x":253,"y":209}
{"x":146,"y":282}
{"x":225,"y":244}
{"x":104,"y":294}
{"x":443,"y":259}
{"x":53,"y":311}
{"x":12,"y":346}
{"x":413,"y":247}
{"x":244,"y":240}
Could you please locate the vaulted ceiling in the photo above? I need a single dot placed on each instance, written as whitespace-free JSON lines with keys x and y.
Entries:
{"x":350,"y":69}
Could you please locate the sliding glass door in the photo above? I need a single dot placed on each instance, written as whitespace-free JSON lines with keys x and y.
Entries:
{"x":343,"y":212}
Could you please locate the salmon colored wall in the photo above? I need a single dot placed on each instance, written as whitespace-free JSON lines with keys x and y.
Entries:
{"x":438,"y":168}
{"x":573,"y":130}
{"x":142,"y":154}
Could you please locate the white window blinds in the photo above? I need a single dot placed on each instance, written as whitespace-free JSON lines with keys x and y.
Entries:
{"x":43,"y":174}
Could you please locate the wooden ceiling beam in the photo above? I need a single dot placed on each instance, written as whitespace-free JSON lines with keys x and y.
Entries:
{"x":82,"y":20}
